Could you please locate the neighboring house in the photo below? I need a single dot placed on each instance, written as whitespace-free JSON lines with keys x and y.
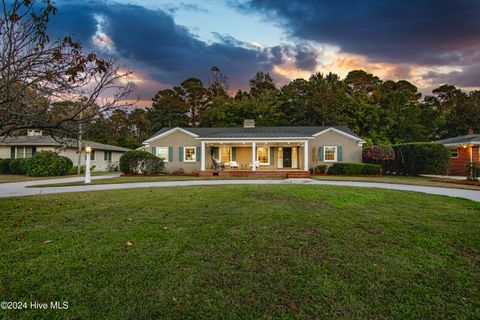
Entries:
{"x":274,"y":148}
{"x":104,"y":157}
{"x":463,"y":149}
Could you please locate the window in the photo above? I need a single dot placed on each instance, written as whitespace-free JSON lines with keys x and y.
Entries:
{"x":162,"y":153}
{"x":330,"y":154}
{"x":23,"y":152}
{"x":262,"y":155}
{"x":225,"y":154}
{"x":107,"y":156}
{"x":189,"y":154}
{"x":453,"y":152}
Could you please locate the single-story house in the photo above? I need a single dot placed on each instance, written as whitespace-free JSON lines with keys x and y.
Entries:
{"x":254,"y":149}
{"x":104,"y":157}
{"x":463,"y":149}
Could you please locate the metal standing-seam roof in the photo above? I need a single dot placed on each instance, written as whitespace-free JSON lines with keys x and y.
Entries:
{"x":257,"y":132}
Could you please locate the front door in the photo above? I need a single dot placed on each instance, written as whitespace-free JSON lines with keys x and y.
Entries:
{"x":287,"y":157}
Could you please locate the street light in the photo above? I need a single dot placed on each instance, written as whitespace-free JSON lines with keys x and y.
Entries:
{"x":88,"y":150}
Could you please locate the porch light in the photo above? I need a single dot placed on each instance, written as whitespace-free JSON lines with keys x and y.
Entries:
{"x":88,"y":150}
{"x":465,"y":146}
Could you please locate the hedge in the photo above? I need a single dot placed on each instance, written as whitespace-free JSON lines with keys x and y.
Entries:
{"x":423,"y":157}
{"x":4,"y":166}
{"x":320,"y":169}
{"x":354,"y":168}
{"x":140,"y":162}
{"x":48,"y":163}
{"x":19,"y":166}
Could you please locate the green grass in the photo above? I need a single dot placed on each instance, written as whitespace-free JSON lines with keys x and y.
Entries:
{"x":229,"y":252}
{"x":7,"y":178}
{"x":137,"y":179}
{"x":420,"y":181}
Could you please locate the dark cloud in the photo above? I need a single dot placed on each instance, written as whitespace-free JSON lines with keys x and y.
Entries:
{"x":185,"y":7}
{"x":151,"y":42}
{"x":428,"y":32}
{"x":469,"y":77}
{"x":305,"y":57}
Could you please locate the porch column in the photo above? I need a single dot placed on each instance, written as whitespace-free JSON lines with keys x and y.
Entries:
{"x":254,"y":160}
{"x":305,"y":156}
{"x":202,"y":157}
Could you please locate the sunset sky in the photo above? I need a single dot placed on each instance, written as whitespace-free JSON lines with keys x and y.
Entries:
{"x":429,"y":42}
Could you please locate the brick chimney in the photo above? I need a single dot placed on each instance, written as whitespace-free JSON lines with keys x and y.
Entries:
{"x":470,"y":131}
{"x":249,"y":123}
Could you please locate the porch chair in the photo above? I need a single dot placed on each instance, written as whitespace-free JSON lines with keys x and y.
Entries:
{"x":218,"y":165}
{"x":257,"y":164}
{"x":233,"y":164}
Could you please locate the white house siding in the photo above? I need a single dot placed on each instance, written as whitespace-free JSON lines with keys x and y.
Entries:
{"x":99,"y":162}
{"x":4,"y":152}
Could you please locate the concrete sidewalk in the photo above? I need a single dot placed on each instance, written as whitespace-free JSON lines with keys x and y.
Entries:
{"x":19,"y":188}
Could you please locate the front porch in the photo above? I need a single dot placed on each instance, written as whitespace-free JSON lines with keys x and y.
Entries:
{"x":254,"y":158}
{"x":280,"y":173}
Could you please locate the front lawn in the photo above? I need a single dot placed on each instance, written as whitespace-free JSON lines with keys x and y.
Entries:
{"x":7,"y":178}
{"x":140,"y":178}
{"x":247,"y":251}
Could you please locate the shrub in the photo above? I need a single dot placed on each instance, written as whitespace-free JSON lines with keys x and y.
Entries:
{"x":417,"y":158}
{"x":48,"y":163}
{"x":4,"y":165}
{"x":472,"y":171}
{"x":140,"y":162}
{"x":18,"y":166}
{"x":320,"y":169}
{"x":354,"y":168}
{"x":380,"y":154}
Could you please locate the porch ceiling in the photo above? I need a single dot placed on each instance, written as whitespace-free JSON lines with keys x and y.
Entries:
{"x":259,"y":144}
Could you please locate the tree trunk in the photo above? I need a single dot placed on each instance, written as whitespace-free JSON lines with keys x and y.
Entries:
{"x":79,"y":148}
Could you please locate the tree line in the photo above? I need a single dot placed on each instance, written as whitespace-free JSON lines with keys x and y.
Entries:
{"x":381,"y":112}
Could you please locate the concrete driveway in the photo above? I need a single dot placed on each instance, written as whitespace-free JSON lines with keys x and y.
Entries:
{"x":19,"y":188}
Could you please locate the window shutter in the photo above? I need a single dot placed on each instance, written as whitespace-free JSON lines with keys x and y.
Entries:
{"x":12,"y":152}
{"x":34,"y":150}
{"x":271,"y":155}
{"x":105,"y":155}
{"x":234,"y":154}
{"x":153,"y":151}
{"x":170,"y":154}
{"x":198,"y":154}
{"x":339,"y":153}
{"x":320,"y":154}
{"x":180,"y":153}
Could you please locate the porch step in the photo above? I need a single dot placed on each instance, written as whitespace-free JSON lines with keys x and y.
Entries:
{"x":302,"y":174}
{"x":258,"y":173}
